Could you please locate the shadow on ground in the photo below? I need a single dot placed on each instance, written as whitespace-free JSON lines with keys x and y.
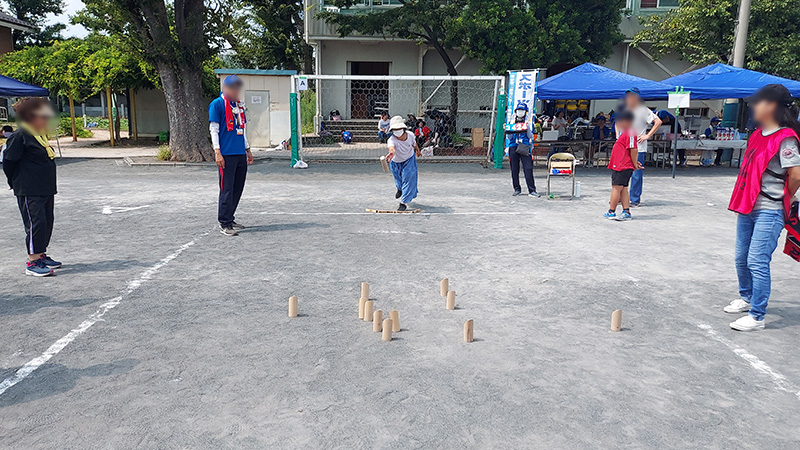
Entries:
{"x":54,"y":379}
{"x":27,"y":304}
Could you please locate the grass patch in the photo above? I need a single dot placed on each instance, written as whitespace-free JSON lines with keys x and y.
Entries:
{"x":164,"y":153}
{"x":308,"y":108}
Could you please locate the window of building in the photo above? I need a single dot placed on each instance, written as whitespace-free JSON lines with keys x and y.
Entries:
{"x":658,"y":4}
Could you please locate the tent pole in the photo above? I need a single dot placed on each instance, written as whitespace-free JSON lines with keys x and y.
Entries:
{"x":110,"y":116}
{"x":72,"y":116}
{"x":675,"y":142}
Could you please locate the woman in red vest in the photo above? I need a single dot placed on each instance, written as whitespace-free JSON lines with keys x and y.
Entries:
{"x":769,"y":173}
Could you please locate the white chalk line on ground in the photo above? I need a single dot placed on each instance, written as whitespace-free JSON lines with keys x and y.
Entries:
{"x":97,"y":316}
{"x":117,"y":209}
{"x":780,"y":381}
{"x":422,"y":213}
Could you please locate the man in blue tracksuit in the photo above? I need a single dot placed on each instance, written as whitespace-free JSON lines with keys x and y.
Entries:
{"x":518,"y":145}
{"x":231,"y":150}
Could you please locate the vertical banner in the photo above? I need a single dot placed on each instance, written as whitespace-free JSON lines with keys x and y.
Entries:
{"x":522,"y":87}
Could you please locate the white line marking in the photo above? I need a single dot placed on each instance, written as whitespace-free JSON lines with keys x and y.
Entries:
{"x":781,"y":382}
{"x":423,"y":213}
{"x":59,"y":345}
{"x":117,"y":209}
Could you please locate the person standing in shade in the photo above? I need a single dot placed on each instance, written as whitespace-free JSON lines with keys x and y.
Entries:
{"x":231,"y":150}
{"x":642,"y":118}
{"x":518,"y":145}
{"x":711,"y":133}
{"x":769,"y":176}
{"x":30,"y":167}
{"x":402,"y":157}
{"x":668,"y":122}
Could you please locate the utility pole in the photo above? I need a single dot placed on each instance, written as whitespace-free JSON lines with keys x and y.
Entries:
{"x":741,"y":33}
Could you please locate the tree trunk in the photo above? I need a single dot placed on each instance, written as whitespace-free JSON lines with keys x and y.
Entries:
{"x":117,"y":120}
{"x":188,"y":116}
{"x":452,"y":71}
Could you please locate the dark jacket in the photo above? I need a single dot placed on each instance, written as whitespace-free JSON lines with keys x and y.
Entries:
{"x":28,"y":168}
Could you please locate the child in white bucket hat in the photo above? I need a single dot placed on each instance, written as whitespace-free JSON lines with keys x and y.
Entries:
{"x":402,"y":157}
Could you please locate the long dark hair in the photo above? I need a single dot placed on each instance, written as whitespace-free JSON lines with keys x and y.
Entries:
{"x":786,"y":116}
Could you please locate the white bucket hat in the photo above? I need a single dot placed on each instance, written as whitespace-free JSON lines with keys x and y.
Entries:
{"x":397,"y":122}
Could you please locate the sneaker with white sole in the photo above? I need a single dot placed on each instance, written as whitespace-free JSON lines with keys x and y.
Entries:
{"x":747,"y":323}
{"x":228,"y":231}
{"x":38,"y":269}
{"x":737,"y":306}
{"x":237,"y":226}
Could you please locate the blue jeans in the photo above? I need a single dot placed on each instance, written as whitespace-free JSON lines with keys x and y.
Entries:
{"x":636,"y":181}
{"x":383,"y":135}
{"x":757,"y":236}
{"x":405,"y":178}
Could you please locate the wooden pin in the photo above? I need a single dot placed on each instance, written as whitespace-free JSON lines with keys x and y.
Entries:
{"x":377,"y":321}
{"x":365,"y":290}
{"x":451,"y":299}
{"x":395,"y":316}
{"x":469,"y":328}
{"x":616,"y":320}
{"x":387,"y":330}
{"x":293,"y":306}
{"x":368,"y":308}
{"x":361,"y":307}
{"x":445,"y":287}
{"x":384,"y":164}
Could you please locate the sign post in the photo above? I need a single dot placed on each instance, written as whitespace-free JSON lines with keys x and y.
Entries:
{"x":677,"y":99}
{"x":522,"y":88}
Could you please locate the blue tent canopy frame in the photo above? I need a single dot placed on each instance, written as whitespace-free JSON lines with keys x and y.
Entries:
{"x":719,"y":81}
{"x":10,"y":87}
{"x":592,"y":82}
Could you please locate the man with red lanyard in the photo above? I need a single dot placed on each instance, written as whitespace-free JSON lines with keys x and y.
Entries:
{"x":768,"y":178}
{"x":231,"y":150}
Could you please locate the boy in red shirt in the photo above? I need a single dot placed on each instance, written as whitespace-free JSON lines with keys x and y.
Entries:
{"x":623,"y":161}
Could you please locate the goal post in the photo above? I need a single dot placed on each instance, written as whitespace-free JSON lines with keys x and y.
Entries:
{"x":336,"y":116}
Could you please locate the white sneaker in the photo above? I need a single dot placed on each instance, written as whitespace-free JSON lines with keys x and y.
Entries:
{"x":748,"y":323}
{"x":737,"y":306}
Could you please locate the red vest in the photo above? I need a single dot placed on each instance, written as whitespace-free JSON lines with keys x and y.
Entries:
{"x":760,"y":150}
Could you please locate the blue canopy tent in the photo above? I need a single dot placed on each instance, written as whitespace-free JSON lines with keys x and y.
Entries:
{"x":10,"y":87}
{"x":719,"y":81}
{"x":592,"y":82}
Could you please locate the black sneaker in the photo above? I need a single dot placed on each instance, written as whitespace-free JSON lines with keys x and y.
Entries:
{"x":398,"y":194}
{"x":50,"y":262}
{"x":237,"y":226}
{"x":516,"y":193}
{"x":228,"y":231}
{"x":402,"y":207}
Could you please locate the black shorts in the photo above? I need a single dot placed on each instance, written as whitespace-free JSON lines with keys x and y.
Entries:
{"x":621,"y":177}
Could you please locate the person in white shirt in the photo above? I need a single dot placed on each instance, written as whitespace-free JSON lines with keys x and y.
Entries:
{"x":383,"y":128}
{"x":642,"y":118}
{"x":402,"y":157}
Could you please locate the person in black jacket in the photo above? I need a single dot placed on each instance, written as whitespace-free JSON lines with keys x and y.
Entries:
{"x":30,"y":167}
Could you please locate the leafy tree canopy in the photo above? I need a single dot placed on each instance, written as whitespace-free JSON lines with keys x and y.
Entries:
{"x":35,"y":12}
{"x":702,"y":32}
{"x":502,"y":34}
{"x":79,"y":68}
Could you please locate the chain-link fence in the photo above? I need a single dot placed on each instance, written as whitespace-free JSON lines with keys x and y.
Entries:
{"x":452,"y":118}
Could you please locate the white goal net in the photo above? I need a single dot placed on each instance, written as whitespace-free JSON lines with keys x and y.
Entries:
{"x":454,"y":116}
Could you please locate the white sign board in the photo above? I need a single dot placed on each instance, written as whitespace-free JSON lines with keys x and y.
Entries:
{"x":302,"y":84}
{"x":255,"y":99}
{"x":679,"y":100}
{"x":521,"y":90}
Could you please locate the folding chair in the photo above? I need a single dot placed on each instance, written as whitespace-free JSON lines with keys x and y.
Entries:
{"x":561,"y":165}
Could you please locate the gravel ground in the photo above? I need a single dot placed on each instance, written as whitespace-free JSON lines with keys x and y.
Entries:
{"x":178,"y":337}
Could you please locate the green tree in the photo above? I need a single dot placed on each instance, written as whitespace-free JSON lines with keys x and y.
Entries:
{"x":502,"y":34}
{"x":513,"y":34}
{"x":173,"y":37}
{"x":35,"y":12}
{"x":265,"y":34}
{"x":702,"y":32}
